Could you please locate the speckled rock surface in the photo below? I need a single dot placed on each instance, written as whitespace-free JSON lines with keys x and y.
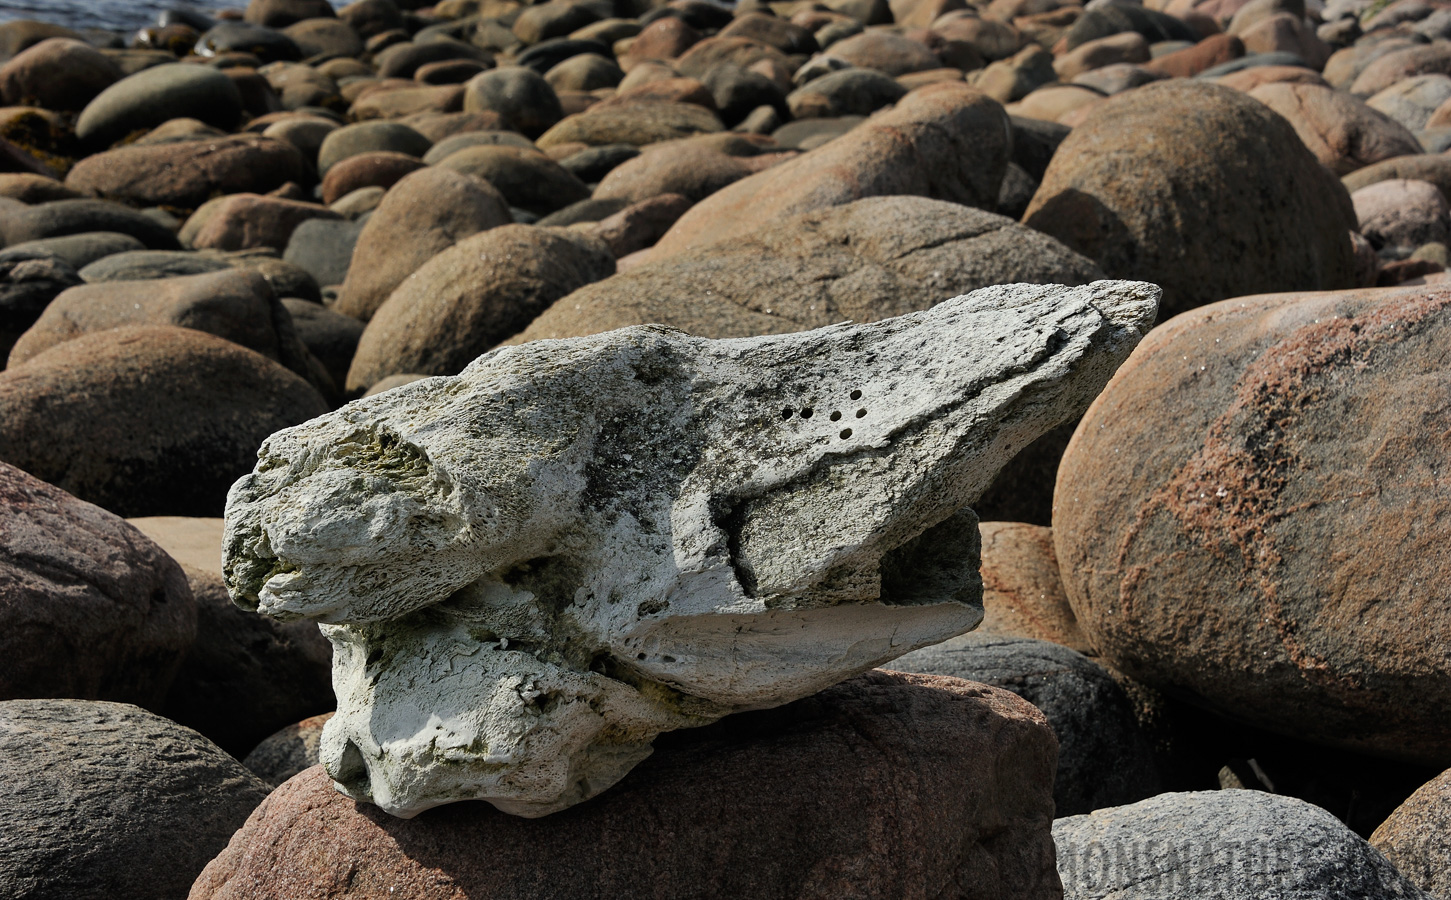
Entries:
{"x":89,"y":607}
{"x":1104,"y":758}
{"x":108,"y":800}
{"x":1251,"y":528}
{"x":642,"y":531}
{"x":917,"y":785}
{"x":1235,"y":845}
{"x":1417,"y":836}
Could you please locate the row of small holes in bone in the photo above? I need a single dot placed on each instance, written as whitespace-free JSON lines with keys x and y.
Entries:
{"x":806,"y":412}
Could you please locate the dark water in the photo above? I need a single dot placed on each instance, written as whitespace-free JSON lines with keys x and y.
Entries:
{"x":112,"y":15}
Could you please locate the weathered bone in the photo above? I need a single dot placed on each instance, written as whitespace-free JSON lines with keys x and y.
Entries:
{"x":531,"y":569}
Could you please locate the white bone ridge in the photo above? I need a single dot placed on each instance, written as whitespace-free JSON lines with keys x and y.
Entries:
{"x":531,"y":569}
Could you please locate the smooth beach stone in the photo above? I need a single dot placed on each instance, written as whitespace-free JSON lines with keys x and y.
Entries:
{"x":1342,"y":132}
{"x":592,"y":165}
{"x":282,"y":13}
{"x":640,"y":124}
{"x":454,"y":143}
{"x":1117,"y":78}
{"x":1022,"y":589}
{"x":59,"y":218}
{"x":58,"y":74}
{"x":142,"y":265}
{"x":1271,"y":587}
{"x":402,"y":60}
{"x":641,"y":224}
{"x":75,"y":576}
{"x":306,"y":133}
{"x":236,"y":304}
{"x":518,"y":94}
{"x":266,"y":44}
{"x":1416,"y":838}
{"x":152,"y":96}
{"x":545,"y":55}
{"x":849,"y":92}
{"x":1231,"y":202}
{"x":78,"y":250}
{"x":20,"y":35}
{"x":29,"y":281}
{"x":424,"y":214}
{"x":187,"y":173}
{"x":917,"y":782}
{"x":735,"y":92}
{"x":1402,"y":213}
{"x":1104,"y":757}
{"x":527,"y":178}
{"x":586,"y":72}
{"x":147,"y":420}
{"x":396,"y":103}
{"x":693,"y":167}
{"x":1231,"y":844}
{"x":1400,"y":64}
{"x":330,"y":336}
{"x":31,"y":188}
{"x":324,"y":37}
{"x":473,"y":295}
{"x":583,"y":212}
{"x":1434,"y":168}
{"x":863,"y":261}
{"x":1412,"y":101}
{"x":116,"y":802}
{"x":288,"y":751}
{"x":245,"y":221}
{"x":381,"y":168}
{"x":946,"y":141}
{"x":808,"y":134}
{"x":369,"y":137}
{"x":1125,"y":47}
{"x":324,"y":248}
{"x":246,"y":676}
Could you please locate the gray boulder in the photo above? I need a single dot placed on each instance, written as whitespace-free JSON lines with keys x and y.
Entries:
{"x":1229,"y":845}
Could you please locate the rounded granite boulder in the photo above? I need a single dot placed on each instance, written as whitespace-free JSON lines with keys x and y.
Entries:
{"x":1201,"y":190}
{"x":108,"y":800}
{"x":1417,"y":836}
{"x":147,"y":420}
{"x":915,"y":785}
{"x":152,"y":96}
{"x":89,"y":606}
{"x":1229,"y":509}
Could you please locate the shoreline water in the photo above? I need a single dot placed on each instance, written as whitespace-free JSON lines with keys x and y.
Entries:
{"x":122,"y":16}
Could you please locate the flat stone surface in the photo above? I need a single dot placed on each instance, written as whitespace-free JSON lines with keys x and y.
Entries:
{"x":916,"y":786}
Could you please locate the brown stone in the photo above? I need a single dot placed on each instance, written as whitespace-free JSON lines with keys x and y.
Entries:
{"x":1248,"y":79}
{"x":693,"y":167}
{"x":407,"y":101}
{"x":888,"y":785}
{"x":281,"y":13}
{"x":420,"y":216}
{"x":28,"y":187}
{"x":246,"y":221}
{"x":1199,"y":189}
{"x":188,"y":173}
{"x":665,"y":38}
{"x":1435,"y":168}
{"x":381,"y":168}
{"x":739,"y":51}
{"x":886,"y":52}
{"x":1239,"y":493}
{"x":863,"y":261}
{"x":89,"y":607}
{"x":1398,"y":65}
{"x":528,"y":179}
{"x":1124,"y":47}
{"x":1208,"y":53}
{"x":1022,"y":590}
{"x":473,"y":295}
{"x":1417,"y":837}
{"x":664,"y":90}
{"x":236,"y":304}
{"x":640,"y":224}
{"x":59,"y":74}
{"x":946,"y":141}
{"x":1342,"y":132}
{"x":1286,"y":33}
{"x":636,"y":123}
{"x":147,"y":420}
{"x":287,"y":751}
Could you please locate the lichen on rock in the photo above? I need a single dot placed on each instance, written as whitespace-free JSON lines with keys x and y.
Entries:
{"x":529,"y":570}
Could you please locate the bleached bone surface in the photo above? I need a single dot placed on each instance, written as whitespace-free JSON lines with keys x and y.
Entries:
{"x":531,"y":569}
